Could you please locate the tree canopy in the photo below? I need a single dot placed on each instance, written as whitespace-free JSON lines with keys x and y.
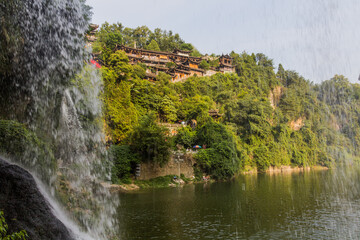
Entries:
{"x":268,"y":117}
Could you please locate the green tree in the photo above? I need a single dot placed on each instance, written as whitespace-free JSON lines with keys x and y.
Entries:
{"x":219,"y":161}
{"x":251,"y":115}
{"x":204,"y":65}
{"x":185,"y":137}
{"x":221,"y":158}
{"x":124,"y":160}
{"x":120,"y":113}
{"x":186,"y":46}
{"x":141,"y":36}
{"x":281,"y":74}
{"x":112,"y":39}
{"x":163,"y":78}
{"x":118,"y":63}
{"x":196,"y":107}
{"x":153,"y":45}
{"x":151,"y":141}
{"x":261,"y":154}
{"x":195,"y":53}
{"x":139,"y":71}
{"x":167,"y":110}
{"x":108,"y":37}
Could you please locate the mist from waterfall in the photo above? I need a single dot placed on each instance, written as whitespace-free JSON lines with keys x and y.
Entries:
{"x":46,"y":84}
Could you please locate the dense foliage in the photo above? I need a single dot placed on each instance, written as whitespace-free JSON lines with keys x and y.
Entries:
{"x":221,"y":158}
{"x":269,"y":118}
{"x":150,"y":140}
{"x":111,"y":35}
{"x":124,"y":161}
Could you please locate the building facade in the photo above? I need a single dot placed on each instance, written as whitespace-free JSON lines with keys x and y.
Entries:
{"x":178,"y":64}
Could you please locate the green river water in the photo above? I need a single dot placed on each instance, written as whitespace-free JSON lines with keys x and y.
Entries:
{"x":322,"y":204}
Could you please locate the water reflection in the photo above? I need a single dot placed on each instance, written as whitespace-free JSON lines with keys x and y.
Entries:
{"x":313,"y":204}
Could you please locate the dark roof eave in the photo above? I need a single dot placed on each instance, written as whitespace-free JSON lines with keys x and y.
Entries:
{"x":144,"y":50}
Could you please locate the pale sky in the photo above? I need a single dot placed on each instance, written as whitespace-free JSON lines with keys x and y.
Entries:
{"x":316,"y":38}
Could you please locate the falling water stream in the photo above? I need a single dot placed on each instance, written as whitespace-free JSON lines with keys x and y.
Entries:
{"x":47,"y":85}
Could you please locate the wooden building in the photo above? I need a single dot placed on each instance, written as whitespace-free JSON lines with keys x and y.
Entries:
{"x":226,"y":64}
{"x":178,"y":64}
{"x":185,"y":65}
{"x":182,"y":52}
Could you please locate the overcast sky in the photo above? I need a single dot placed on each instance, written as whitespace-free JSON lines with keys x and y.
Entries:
{"x":317,"y":38}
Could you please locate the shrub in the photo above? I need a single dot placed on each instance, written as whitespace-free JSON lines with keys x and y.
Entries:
{"x":185,"y":137}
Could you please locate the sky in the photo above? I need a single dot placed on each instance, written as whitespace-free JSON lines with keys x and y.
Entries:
{"x":316,"y":38}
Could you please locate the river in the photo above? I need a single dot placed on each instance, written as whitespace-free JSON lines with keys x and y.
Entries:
{"x":322,"y":204}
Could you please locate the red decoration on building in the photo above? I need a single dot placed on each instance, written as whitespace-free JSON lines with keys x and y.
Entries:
{"x":97,"y":65}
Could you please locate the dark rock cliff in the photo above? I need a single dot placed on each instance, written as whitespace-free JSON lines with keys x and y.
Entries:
{"x":25,"y":207}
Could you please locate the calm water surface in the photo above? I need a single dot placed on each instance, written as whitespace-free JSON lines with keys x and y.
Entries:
{"x":308,"y":205}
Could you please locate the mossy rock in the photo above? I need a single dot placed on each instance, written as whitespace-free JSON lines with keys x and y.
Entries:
{"x":22,"y":146}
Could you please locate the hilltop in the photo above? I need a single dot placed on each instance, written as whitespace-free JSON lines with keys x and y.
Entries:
{"x":180,"y":63}
{"x":249,"y":117}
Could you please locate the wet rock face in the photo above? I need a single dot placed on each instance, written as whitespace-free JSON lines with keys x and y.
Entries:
{"x":25,"y":207}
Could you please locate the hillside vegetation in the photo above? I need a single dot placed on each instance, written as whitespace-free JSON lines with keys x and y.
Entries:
{"x":269,"y":117}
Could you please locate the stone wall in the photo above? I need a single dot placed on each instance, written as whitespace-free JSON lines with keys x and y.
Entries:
{"x":179,"y":163}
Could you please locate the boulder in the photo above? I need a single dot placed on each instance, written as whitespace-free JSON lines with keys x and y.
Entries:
{"x":25,"y":207}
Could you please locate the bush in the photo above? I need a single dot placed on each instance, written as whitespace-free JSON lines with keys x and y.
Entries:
{"x":185,"y":137}
{"x":139,"y":71}
{"x":163,"y":78}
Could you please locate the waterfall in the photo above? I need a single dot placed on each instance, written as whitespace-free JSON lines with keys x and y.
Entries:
{"x":46,"y":84}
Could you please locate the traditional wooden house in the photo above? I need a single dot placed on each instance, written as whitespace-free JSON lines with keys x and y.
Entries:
{"x":226,"y":64}
{"x":193,"y":63}
{"x":185,"y":65}
{"x":182,"y":52}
